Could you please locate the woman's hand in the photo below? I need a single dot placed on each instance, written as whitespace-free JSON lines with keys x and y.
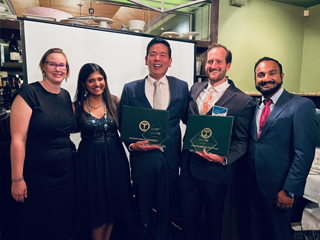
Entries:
{"x":19,"y":191}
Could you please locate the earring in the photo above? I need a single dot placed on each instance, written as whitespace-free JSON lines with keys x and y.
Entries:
{"x":66,"y":79}
{"x":43,"y":74}
{"x":85,"y":93}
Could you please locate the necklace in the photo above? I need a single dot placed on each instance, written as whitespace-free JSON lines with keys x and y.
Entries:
{"x":88,"y":103}
{"x":105,"y":114}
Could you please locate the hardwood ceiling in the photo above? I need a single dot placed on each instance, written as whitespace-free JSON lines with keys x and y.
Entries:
{"x":120,"y":15}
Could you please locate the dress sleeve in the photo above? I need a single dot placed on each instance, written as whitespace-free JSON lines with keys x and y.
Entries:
{"x":27,"y":92}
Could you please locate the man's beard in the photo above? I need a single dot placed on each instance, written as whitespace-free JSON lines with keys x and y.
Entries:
{"x":269,"y":91}
{"x":220,"y":76}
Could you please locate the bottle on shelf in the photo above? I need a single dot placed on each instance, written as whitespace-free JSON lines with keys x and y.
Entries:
{"x":14,"y":50}
{"x":14,"y":87}
{"x":19,"y":81}
{"x":198,"y":65}
{"x":2,"y":94}
{"x":7,"y":90}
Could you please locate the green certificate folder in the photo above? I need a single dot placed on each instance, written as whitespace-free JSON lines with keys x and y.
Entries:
{"x":212,"y":133}
{"x":140,"y":124}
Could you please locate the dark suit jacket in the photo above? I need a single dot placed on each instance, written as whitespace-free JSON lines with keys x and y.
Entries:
{"x":240,"y":106}
{"x":285,"y":150}
{"x":133,"y":94}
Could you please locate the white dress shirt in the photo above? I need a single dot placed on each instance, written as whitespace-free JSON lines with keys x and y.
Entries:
{"x":164,"y":88}
{"x":218,"y":92}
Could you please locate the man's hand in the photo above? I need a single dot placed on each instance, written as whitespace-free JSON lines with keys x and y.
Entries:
{"x":211,"y":157}
{"x":143,"y":146}
{"x":283,"y":201}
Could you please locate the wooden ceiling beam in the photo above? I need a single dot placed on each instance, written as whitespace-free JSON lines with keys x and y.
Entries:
{"x":125,"y":14}
{"x":21,"y":5}
{"x":71,"y":7}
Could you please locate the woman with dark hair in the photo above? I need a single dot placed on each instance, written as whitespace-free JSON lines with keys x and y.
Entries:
{"x":42,"y":163}
{"x":103,"y":176}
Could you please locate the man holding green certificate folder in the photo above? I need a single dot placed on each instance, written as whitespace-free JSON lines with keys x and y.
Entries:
{"x":205,"y":176}
{"x":155,"y":169}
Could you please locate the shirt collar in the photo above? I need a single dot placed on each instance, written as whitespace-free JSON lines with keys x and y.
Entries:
{"x":220,"y":88}
{"x":275,"y":97}
{"x":163,"y":80}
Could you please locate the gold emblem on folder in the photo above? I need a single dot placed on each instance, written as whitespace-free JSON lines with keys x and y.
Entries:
{"x":144,"y":126}
{"x":206,"y":133}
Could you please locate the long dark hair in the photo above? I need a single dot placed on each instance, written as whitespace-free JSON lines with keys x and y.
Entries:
{"x":109,"y":99}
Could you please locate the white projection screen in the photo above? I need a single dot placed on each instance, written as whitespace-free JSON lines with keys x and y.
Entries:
{"x":121,"y":55}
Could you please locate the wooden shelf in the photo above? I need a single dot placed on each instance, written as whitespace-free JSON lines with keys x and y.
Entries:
{"x":315,"y":98}
{"x":307,"y":95}
{"x":299,"y":94}
{"x":9,"y":27}
{"x":11,"y":69}
{"x":254,"y":94}
{"x":202,"y":47}
{"x":202,"y":44}
{"x":9,"y":24}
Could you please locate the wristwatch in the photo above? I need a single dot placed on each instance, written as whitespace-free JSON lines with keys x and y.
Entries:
{"x":289,"y":194}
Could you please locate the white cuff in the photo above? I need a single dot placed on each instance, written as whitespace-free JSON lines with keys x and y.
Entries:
{"x":129,"y":148}
{"x":225,"y":161}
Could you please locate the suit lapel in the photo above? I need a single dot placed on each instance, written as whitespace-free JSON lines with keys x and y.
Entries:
{"x":173,"y":90}
{"x":226,"y":96}
{"x":253,"y":131}
{"x":140,"y":91}
{"x":195,"y":95}
{"x":281,"y":104}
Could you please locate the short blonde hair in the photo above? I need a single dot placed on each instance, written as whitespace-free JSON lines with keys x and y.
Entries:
{"x":54,"y":50}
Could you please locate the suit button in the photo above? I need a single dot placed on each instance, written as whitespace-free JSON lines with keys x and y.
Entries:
{"x":258,"y":143}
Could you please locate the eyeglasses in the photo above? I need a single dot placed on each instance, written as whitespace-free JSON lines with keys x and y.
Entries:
{"x":54,"y":65}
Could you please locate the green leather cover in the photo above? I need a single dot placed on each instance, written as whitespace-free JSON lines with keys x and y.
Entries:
{"x":212,"y":133}
{"x":140,"y":124}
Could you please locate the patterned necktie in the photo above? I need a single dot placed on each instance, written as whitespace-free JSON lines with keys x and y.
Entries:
{"x":157,"y":103}
{"x":264,"y":115}
{"x":207,"y":101}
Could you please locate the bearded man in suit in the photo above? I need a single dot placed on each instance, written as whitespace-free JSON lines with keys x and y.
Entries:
{"x":281,"y":149}
{"x":205,"y":177}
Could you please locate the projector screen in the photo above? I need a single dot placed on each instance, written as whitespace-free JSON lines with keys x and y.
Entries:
{"x":120,"y":54}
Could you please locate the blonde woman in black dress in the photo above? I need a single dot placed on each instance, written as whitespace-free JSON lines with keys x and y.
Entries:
{"x":43,"y":171}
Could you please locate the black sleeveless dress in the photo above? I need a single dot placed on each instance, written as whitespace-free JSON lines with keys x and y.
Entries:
{"x":103,"y":177}
{"x":49,"y":168}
